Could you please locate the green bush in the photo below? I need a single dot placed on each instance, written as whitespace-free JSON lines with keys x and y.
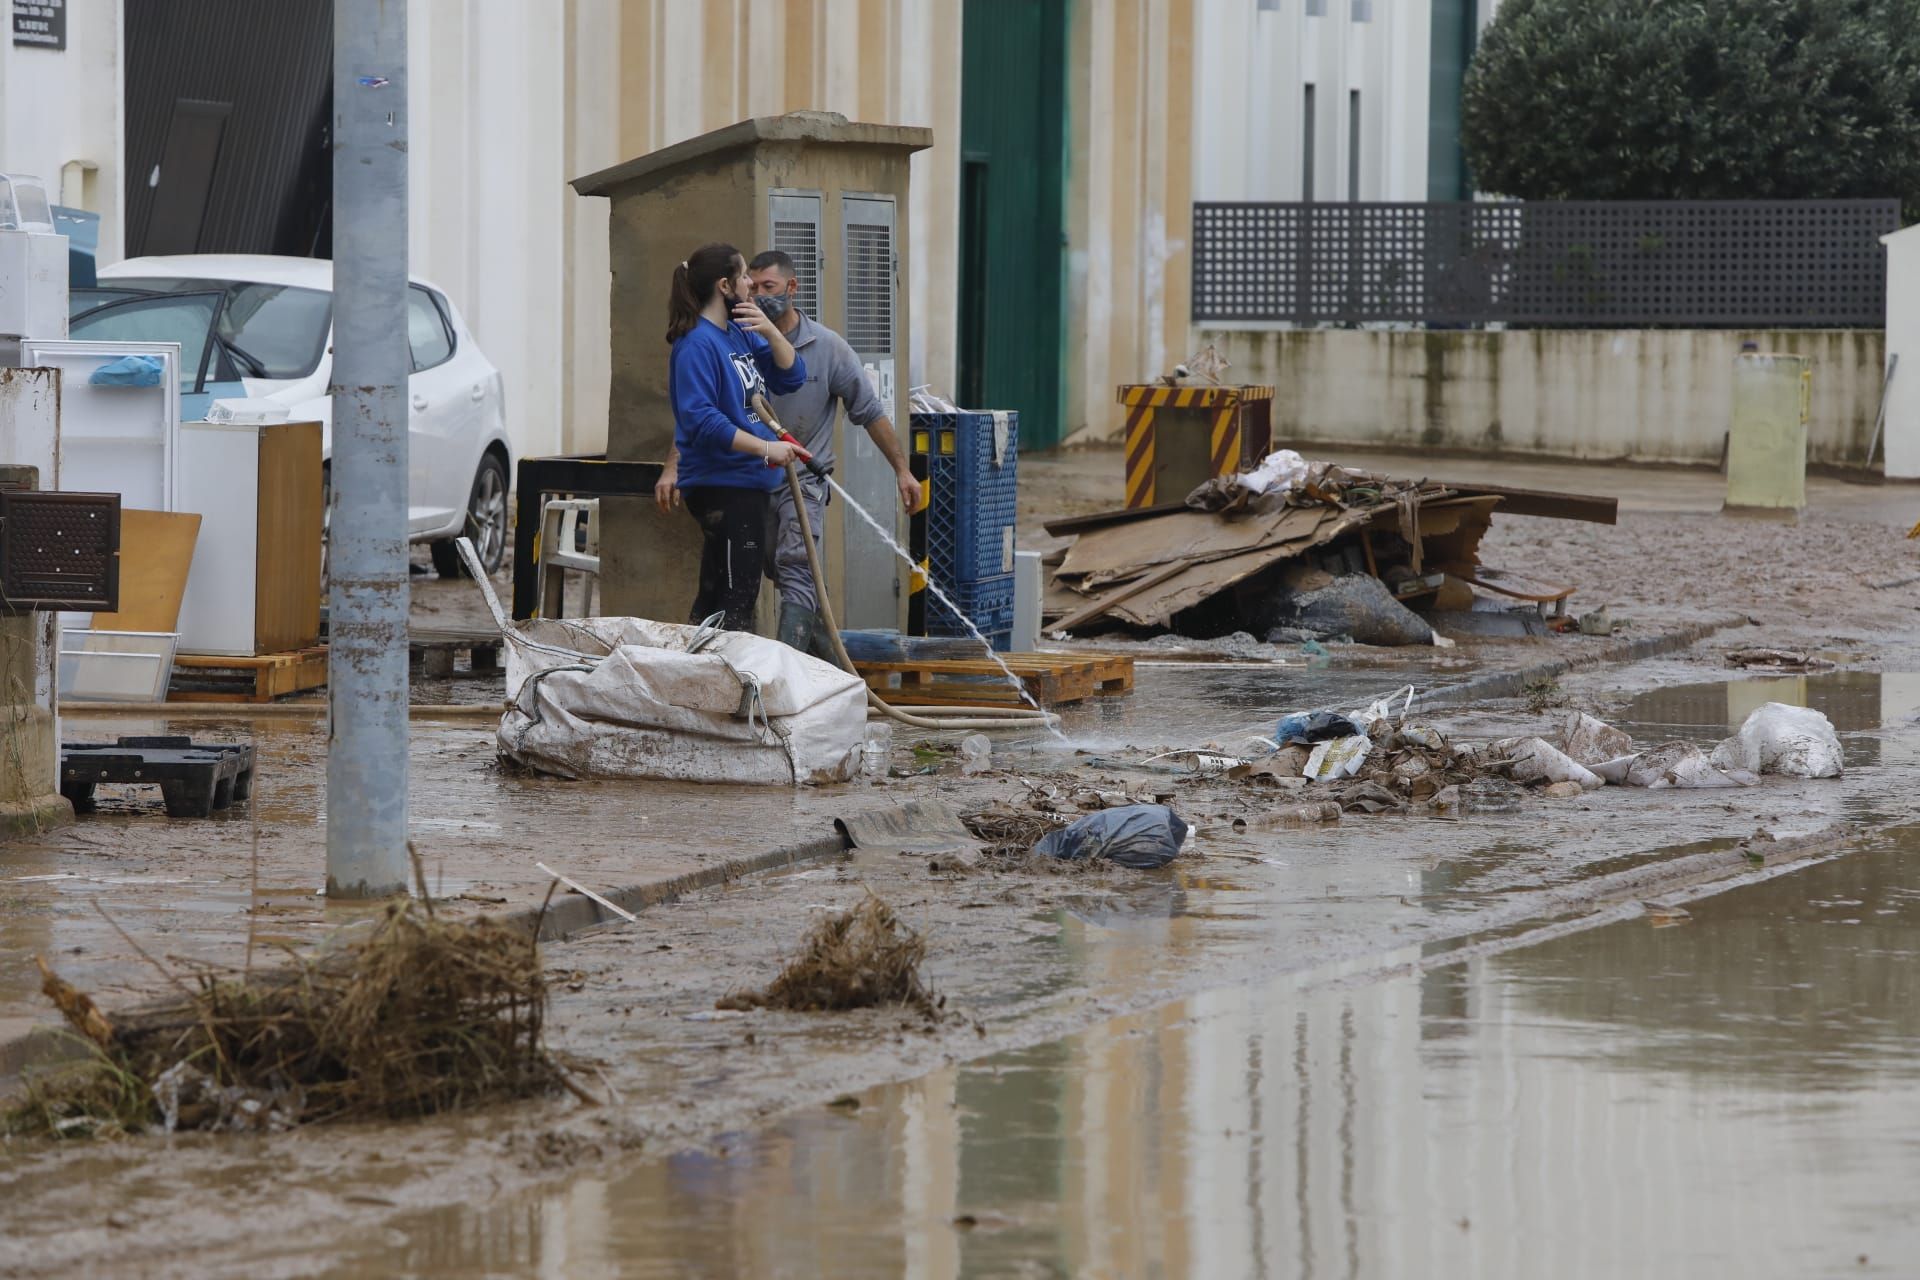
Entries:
{"x":1697,"y":99}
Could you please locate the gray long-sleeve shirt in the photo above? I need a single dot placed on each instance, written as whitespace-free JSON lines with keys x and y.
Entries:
{"x":834,"y":378}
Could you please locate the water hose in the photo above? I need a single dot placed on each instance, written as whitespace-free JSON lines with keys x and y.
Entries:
{"x":921,"y":718}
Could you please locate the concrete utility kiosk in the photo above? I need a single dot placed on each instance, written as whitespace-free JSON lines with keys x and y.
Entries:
{"x":831,"y":193}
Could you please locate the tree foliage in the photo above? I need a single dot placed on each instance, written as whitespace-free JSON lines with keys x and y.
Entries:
{"x":1697,"y":99}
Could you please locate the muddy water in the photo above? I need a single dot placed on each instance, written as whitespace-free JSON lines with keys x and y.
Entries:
{"x":1735,"y":1095}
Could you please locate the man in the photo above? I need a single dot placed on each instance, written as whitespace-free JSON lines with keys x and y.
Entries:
{"x":835,"y":379}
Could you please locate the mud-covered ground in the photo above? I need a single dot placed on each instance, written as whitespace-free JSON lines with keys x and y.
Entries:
{"x":1023,"y":954}
{"x":1019,"y":954}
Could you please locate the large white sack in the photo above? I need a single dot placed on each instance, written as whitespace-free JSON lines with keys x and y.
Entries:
{"x":1798,"y":742}
{"x":1536,"y":760}
{"x":622,"y":698}
{"x":1591,"y":742}
{"x":1677,"y":764}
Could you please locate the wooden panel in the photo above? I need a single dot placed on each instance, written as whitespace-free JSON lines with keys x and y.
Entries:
{"x":156,"y":553}
{"x":287,"y":562}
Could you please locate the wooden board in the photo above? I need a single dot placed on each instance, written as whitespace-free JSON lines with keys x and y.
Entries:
{"x":211,"y":678}
{"x":286,"y":600}
{"x":1050,"y":679}
{"x":156,"y":553}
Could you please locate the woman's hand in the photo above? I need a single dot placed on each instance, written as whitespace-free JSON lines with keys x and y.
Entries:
{"x":748,"y":315}
{"x":779,"y":453}
{"x":666,"y":490}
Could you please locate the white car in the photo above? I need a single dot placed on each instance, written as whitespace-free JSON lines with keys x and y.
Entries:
{"x":258,"y":327}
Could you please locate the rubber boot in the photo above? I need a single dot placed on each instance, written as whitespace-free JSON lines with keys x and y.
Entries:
{"x":796,"y":628}
{"x":823,"y":647}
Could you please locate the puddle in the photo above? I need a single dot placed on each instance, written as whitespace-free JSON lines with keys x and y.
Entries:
{"x":1860,"y":704}
{"x":1738,"y":1095}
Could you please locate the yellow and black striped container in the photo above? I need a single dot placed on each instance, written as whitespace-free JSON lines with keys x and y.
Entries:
{"x":1178,"y":438}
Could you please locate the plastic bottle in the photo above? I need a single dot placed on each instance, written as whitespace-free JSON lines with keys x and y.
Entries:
{"x":876,"y":754}
{"x":976,"y":753}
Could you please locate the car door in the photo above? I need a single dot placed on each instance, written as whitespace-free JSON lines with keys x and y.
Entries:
{"x":438,"y":481}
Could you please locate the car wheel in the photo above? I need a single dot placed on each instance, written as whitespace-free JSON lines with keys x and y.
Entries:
{"x":486,"y":522}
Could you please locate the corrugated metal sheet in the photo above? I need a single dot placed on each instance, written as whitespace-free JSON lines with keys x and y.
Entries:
{"x":273,"y":62}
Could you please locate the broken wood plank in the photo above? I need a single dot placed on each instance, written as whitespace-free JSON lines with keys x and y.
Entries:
{"x":1080,"y":617}
{"x":1591,"y":508}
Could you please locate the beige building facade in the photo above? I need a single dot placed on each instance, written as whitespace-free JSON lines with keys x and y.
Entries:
{"x":508,"y":105}
{"x":1163,"y":102}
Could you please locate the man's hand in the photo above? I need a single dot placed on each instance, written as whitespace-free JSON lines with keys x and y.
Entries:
{"x":909,"y":491}
{"x":666,"y":490}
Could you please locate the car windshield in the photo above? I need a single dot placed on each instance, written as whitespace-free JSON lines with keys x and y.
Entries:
{"x":269,"y":330}
{"x":183,"y":318}
{"x":83,"y":300}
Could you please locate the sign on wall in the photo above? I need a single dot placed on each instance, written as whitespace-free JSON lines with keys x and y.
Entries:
{"x":41,"y":24}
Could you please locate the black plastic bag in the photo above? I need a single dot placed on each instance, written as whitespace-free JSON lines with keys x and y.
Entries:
{"x":1309,"y":727}
{"x":1141,"y":836}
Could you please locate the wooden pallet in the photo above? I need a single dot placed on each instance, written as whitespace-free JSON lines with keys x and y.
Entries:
{"x":432,"y":650}
{"x":201,"y":677}
{"x":1052,"y":680}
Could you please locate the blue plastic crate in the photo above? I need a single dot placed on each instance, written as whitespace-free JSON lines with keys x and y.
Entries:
{"x":973,"y":493}
{"x":987,"y":601}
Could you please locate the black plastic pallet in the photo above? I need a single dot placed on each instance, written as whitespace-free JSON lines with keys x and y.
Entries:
{"x":196,"y":779}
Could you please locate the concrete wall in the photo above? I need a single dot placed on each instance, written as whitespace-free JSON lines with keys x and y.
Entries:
{"x":61,"y":107}
{"x":1131,"y":107}
{"x":1255,"y":64}
{"x":683,"y":69}
{"x":1648,"y":395}
{"x":1172,"y":101}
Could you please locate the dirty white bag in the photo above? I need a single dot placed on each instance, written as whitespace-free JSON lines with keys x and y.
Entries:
{"x":1382,"y":708}
{"x":1282,"y":472}
{"x":623,"y":698}
{"x":1677,"y":764}
{"x":1337,"y":757}
{"x":1797,"y":742}
{"x":1592,"y":741}
{"x":1537,"y":760}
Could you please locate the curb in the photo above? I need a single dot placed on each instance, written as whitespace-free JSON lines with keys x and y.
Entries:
{"x":1512,"y":684}
{"x":566,"y":916}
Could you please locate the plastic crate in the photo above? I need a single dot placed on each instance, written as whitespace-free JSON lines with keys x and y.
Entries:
{"x":987,"y":601}
{"x":973,"y":492}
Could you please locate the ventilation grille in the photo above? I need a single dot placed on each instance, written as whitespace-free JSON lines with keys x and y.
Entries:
{"x":870,"y":289}
{"x":801,"y":242}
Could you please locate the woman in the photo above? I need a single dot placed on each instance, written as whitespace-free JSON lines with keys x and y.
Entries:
{"x":725,"y":352}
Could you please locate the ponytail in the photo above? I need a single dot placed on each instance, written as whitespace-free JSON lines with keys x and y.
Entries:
{"x":694,"y":282}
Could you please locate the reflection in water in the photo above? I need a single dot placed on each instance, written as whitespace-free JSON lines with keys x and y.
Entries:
{"x":1735,"y":1096}
{"x":1857,"y":702}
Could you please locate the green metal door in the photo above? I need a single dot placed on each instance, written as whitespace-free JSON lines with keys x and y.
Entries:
{"x":1013,"y":212}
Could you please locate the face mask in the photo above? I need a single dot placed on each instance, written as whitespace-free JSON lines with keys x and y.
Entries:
{"x":774,"y":304}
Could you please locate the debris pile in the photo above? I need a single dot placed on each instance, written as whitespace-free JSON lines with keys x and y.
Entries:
{"x":420,"y":1016}
{"x":1297,"y":550}
{"x":1378,"y":761}
{"x":853,"y":959}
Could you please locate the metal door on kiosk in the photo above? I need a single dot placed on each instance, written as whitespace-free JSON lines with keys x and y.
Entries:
{"x":870,"y":280}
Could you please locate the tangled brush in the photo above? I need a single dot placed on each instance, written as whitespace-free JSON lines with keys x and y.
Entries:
{"x":420,"y":1016}
{"x":852,"y":959}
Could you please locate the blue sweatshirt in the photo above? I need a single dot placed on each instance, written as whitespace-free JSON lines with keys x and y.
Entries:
{"x":711,"y":377}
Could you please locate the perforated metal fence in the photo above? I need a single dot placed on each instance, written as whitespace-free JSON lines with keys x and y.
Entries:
{"x":1571,"y":264}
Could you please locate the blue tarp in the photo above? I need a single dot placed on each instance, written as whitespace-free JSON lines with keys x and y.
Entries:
{"x":130,"y":371}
